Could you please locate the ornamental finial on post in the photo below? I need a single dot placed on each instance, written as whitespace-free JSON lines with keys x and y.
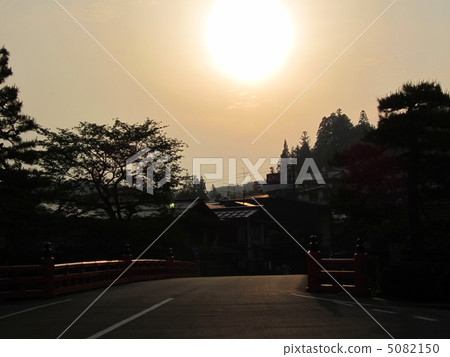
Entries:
{"x":126,"y":249}
{"x":360,"y":246}
{"x":47,"y":251}
{"x":313,"y":243}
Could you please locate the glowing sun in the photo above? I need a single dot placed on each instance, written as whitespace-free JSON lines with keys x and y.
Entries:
{"x":249,"y":38}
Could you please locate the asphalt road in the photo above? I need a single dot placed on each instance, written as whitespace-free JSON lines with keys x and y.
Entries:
{"x":218,"y":307}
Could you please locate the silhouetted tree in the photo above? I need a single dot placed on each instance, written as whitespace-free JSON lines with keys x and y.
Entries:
{"x":333,"y":136}
{"x":302,"y":151}
{"x":370,"y":194}
{"x":214,"y":194}
{"x":191,"y":188}
{"x":305,"y":140}
{"x":14,"y":150}
{"x":252,"y":189}
{"x":88,"y":166}
{"x":303,"y":147}
{"x":363,"y":119}
{"x":360,"y":130}
{"x":285,"y":153}
{"x":415,"y":121}
{"x":19,"y":181}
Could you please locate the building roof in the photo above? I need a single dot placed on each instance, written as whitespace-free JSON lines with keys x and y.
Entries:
{"x":233,"y":213}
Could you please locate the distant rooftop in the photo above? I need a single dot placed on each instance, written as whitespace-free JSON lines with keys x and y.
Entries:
{"x":233,"y":213}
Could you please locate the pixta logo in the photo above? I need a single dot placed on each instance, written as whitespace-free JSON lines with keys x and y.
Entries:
{"x":308,"y":171}
{"x":142,"y":167}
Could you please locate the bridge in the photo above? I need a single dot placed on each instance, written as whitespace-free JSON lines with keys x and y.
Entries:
{"x":168,"y":299}
{"x":50,"y":279}
{"x":274,"y":306}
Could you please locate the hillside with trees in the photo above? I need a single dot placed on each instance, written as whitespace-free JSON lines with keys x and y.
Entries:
{"x":335,"y":133}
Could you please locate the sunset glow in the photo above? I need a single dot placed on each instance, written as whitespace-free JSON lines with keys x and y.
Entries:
{"x":249,"y":39}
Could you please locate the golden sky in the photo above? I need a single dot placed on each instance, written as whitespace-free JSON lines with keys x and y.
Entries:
{"x":66,"y":77}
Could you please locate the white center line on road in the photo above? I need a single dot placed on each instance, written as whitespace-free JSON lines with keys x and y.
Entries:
{"x":123,"y":322}
{"x":33,"y":308}
{"x":385,"y":311}
{"x":425,"y":318}
{"x":128,"y":267}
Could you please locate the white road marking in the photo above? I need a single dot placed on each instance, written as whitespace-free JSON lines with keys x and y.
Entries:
{"x":344,"y":303}
{"x":318,"y":298}
{"x":127,"y":268}
{"x":33,"y":308}
{"x":385,"y":311}
{"x":369,"y":305}
{"x":425,"y":318}
{"x":123,"y":322}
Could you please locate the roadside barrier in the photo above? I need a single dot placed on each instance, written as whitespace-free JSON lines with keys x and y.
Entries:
{"x":351,"y":273}
{"x":50,"y":279}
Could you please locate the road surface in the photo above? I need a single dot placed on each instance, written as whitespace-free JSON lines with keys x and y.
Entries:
{"x":218,"y":307}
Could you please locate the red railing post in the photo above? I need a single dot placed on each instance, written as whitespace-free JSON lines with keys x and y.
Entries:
{"x":170,"y":261}
{"x":313,"y":267}
{"x":48,"y":270}
{"x":127,"y":258}
{"x":361,"y":270}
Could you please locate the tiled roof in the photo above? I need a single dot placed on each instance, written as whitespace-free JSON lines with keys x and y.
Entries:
{"x":234,"y":213}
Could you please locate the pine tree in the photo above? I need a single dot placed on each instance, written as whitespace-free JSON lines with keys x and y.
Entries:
{"x":14,"y":150}
{"x":302,"y":151}
{"x":363,"y":118}
{"x":360,"y":131}
{"x":305,"y":140}
{"x":285,"y":153}
{"x":333,"y":136}
{"x":18,"y":182}
{"x":415,"y":120}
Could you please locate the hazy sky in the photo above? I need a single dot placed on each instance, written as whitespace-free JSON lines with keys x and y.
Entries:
{"x":65,"y":77}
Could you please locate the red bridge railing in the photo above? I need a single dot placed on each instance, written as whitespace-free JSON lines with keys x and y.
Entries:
{"x":350,"y":273}
{"x":49,"y":279}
